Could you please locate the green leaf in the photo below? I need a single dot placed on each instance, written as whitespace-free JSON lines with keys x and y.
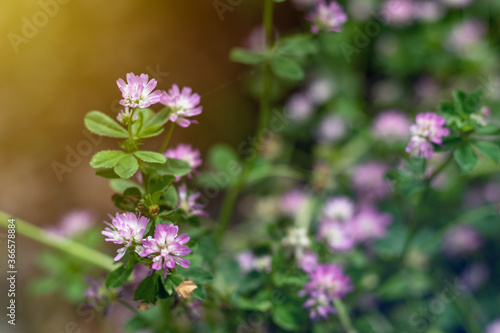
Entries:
{"x":107,"y":158}
{"x":489,"y":149}
{"x":150,"y":156}
{"x":101,"y":124}
{"x":147,"y":289}
{"x":287,"y":68}
{"x":245,"y":57}
{"x":287,"y":317}
{"x":127,"y":166}
{"x":160,"y":184}
{"x":171,"y":196}
{"x":118,"y":277}
{"x":151,"y":131}
{"x":133,"y":192}
{"x":120,"y":185}
{"x":172,"y":167}
{"x":159,"y":119}
{"x":299,"y":46}
{"x":107,"y":173}
{"x":465,"y":157}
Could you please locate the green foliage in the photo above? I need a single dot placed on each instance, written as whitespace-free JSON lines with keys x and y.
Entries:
{"x":101,"y":124}
{"x":287,"y":68}
{"x":119,"y":276}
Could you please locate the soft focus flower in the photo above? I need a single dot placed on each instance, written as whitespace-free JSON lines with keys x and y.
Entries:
{"x":493,"y":327}
{"x":338,"y":209}
{"x":428,"y":11}
{"x":299,"y":107}
{"x":466,"y":34}
{"x":186,"y":153}
{"x":370,"y":224}
{"x":138,"y":91}
{"x":320,"y":90}
{"x":298,"y":239}
{"x":188,"y":202}
{"x":308,"y":261}
{"x":461,"y":239}
{"x":337,"y":235}
{"x":368,"y":180}
{"x":327,"y":282}
{"x":429,"y":129}
{"x":331,"y":129}
{"x":327,"y":17}
{"x":475,"y":275}
{"x":292,"y":202}
{"x":126,"y":229}
{"x":182,"y":104}
{"x":249,"y":262}
{"x":166,"y":248}
{"x":458,"y":3}
{"x":481,"y":115}
{"x":391,"y":126}
{"x":73,"y":223}
{"x":398,"y":12}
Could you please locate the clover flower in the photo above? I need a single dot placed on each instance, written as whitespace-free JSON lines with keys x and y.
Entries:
{"x":338,"y":209}
{"x":337,"y":235}
{"x":126,"y":229}
{"x":299,"y":107}
{"x":126,"y":116}
{"x":429,"y":129}
{"x":188,"y":202}
{"x":493,"y":327}
{"x":166,"y":248}
{"x":308,"y":261}
{"x":461,"y":239}
{"x":138,"y":91}
{"x":326,"y":283}
{"x":369,"y":182}
{"x":391,"y":126}
{"x":186,"y":153}
{"x":331,"y":129}
{"x":370,"y":224}
{"x":249,"y":262}
{"x":182,"y":104}
{"x":73,"y":223}
{"x":327,"y":17}
{"x":399,"y":12}
{"x":291,"y":202}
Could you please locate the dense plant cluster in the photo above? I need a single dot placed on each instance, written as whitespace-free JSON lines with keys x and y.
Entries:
{"x":359,"y":202}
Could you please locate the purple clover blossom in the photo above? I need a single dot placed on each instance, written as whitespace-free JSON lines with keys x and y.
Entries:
{"x":493,"y":327}
{"x":138,"y":91}
{"x":126,"y":229}
{"x":73,"y":223}
{"x":166,"y":248}
{"x":327,"y":17}
{"x":183,"y":104}
{"x":370,"y":224}
{"x":368,"y":180}
{"x":188,"y":202}
{"x":465,"y":35}
{"x":399,"y":12}
{"x":337,"y":235}
{"x":308,"y":261}
{"x":331,"y":129}
{"x":299,"y":107}
{"x":186,"y":153}
{"x":292,"y":202}
{"x":391,"y":126}
{"x":338,"y":209}
{"x":429,"y":129}
{"x":249,"y":262}
{"x":327,"y":282}
{"x":461,"y":239}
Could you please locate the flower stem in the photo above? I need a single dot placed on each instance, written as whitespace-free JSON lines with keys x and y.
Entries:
{"x":68,"y":246}
{"x":167,"y":139}
{"x":343,"y":316}
{"x":265,"y":107}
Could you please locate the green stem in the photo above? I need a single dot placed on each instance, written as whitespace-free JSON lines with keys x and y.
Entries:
{"x":68,"y":246}
{"x":343,"y":316}
{"x":265,"y":109}
{"x":167,"y":139}
{"x":440,"y":168}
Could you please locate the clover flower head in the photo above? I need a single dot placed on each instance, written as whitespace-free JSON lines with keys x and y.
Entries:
{"x":370,"y":224}
{"x":299,"y":107}
{"x":331,"y":129}
{"x":327,"y":17}
{"x":428,"y":129}
{"x":166,"y":248}
{"x":338,"y":209}
{"x":337,"y":235}
{"x":250,"y":262}
{"x":369,"y":182}
{"x":188,"y":202}
{"x":126,"y":229}
{"x":138,"y":92}
{"x":399,"y":12}
{"x":494,"y":326}
{"x":391,"y":126}
{"x":326,"y":283}
{"x":308,"y":261}
{"x":186,"y":153}
{"x":125,"y":117}
{"x":461,"y":239}
{"x":291,"y":202}
{"x":182,"y":103}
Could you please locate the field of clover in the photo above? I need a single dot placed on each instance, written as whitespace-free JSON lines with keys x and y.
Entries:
{"x":367,"y":200}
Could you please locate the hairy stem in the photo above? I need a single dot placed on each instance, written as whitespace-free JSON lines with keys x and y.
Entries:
{"x":65,"y":245}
